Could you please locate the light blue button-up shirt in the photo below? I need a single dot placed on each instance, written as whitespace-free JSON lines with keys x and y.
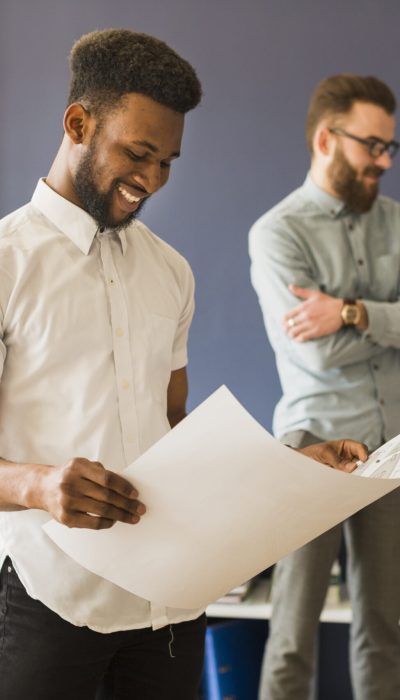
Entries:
{"x":346,"y":384}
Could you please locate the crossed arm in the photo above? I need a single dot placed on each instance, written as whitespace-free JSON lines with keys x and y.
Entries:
{"x":317,"y":315}
{"x":278,"y":261}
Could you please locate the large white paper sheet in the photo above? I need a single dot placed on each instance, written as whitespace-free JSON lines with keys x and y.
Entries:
{"x":225,"y":500}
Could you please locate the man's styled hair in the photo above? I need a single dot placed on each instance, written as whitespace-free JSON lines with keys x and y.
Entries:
{"x":337,"y":94}
{"x":108,"y":64}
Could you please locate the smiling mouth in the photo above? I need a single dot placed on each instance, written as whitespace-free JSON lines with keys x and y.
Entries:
{"x":130,"y":198}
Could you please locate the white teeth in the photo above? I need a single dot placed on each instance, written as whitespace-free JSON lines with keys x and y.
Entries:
{"x":129,"y":197}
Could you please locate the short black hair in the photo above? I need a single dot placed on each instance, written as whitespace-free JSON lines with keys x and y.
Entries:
{"x":108,"y":64}
{"x":336,"y":95}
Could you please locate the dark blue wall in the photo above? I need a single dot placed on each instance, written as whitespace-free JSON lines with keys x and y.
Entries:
{"x":243,"y":150}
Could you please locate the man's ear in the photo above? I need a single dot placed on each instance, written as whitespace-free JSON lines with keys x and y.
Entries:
{"x":77,"y":122}
{"x":323,"y":142}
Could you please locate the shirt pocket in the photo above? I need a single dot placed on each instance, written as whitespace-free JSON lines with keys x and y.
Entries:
{"x":385,"y":285}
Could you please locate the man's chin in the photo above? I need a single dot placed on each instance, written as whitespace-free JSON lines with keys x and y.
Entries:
{"x":123,"y":222}
{"x":363,"y":204}
{"x":117,"y":226}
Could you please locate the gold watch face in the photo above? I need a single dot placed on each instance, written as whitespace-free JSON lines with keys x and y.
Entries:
{"x":350,"y":314}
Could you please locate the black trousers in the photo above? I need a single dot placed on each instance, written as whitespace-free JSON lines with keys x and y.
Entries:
{"x":43,"y":657}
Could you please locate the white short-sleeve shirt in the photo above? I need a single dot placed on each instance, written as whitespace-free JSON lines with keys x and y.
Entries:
{"x":91,"y":326}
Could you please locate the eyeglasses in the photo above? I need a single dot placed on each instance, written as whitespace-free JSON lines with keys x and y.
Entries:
{"x":375,"y":147}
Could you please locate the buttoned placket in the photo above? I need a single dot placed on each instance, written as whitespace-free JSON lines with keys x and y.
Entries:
{"x":355,"y":237}
{"x":357,"y":244}
{"x":124,"y":372}
{"x":123,"y":357}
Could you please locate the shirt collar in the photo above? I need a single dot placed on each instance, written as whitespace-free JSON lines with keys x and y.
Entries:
{"x":71,"y":220}
{"x":120,"y":237}
{"x":331,"y":205}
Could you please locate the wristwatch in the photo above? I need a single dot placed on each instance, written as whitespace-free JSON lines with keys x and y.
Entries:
{"x":350,"y":313}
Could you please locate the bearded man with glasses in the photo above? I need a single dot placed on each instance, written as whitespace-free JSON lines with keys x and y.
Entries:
{"x":326,"y":269}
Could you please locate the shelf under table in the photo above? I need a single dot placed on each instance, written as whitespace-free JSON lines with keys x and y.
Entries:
{"x":257,"y":607}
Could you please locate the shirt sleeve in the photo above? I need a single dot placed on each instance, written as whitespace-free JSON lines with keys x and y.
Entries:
{"x":383,"y":323}
{"x":277,"y":260}
{"x":179,"y":352}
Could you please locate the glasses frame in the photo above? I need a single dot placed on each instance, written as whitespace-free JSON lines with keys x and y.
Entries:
{"x":376,"y":147}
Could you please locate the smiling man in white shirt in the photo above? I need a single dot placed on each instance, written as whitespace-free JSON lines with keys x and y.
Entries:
{"x":95,"y":312}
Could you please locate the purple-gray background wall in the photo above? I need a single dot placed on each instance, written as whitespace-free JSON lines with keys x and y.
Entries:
{"x":243,"y":148}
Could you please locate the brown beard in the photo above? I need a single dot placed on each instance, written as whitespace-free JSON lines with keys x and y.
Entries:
{"x":351,"y":190}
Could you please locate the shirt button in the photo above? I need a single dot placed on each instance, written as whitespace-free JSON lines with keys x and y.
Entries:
{"x":119,"y":332}
{"x":9,"y":569}
{"x":110,"y":282}
{"x":375,"y":366}
{"x":351,"y":227}
{"x":382,"y":402}
{"x":130,"y":438}
{"x":360,"y":262}
{"x":125,"y":384}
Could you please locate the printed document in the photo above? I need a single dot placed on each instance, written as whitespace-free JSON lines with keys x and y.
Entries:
{"x":225,"y":500}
